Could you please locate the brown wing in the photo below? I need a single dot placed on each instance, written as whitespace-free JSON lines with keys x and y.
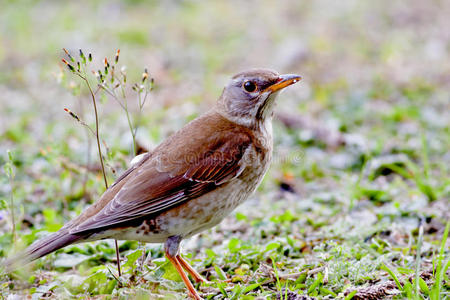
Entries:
{"x":164,"y":181}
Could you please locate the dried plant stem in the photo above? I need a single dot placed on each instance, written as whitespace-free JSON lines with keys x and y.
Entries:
{"x":138,"y":119}
{"x":13,"y":219}
{"x":118,"y":257}
{"x":418,"y":259}
{"x":103,"y":78}
{"x":10,"y":173}
{"x":88,"y":148}
{"x":88,"y":161}
{"x":94,"y":102}
{"x":124,"y":106}
{"x":133,"y":132}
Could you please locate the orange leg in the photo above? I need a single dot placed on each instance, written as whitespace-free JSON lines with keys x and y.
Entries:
{"x":171,"y":248}
{"x":197,"y":277}
{"x":192,"y":292}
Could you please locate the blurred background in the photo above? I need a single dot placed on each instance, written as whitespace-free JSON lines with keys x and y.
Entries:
{"x":362,"y":64}
{"x":370,"y":54}
{"x":374,"y":100}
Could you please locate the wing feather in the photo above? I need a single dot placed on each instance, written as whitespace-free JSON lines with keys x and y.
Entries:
{"x":153,"y":189}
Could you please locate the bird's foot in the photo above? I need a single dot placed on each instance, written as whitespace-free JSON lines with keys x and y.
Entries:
{"x":195,"y":275}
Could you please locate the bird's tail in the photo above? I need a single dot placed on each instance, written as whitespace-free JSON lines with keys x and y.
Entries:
{"x":41,"y":248}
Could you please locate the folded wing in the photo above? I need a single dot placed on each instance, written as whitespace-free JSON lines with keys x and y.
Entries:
{"x":160,"y":184}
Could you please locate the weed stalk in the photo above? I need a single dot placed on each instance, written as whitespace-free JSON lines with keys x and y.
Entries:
{"x":10,"y":173}
{"x":109,"y":82}
{"x":97,"y":135}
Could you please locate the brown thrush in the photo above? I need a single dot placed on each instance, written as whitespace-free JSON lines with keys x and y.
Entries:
{"x":190,"y":182}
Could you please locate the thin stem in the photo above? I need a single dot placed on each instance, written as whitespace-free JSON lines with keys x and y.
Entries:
{"x":418,"y":249}
{"x":88,"y":162}
{"x":88,"y":152}
{"x":125,"y":108}
{"x":97,"y":130}
{"x":101,"y":158}
{"x":133,"y":135}
{"x":145,"y":98}
{"x":111,"y":94}
{"x":118,"y":257}
{"x":141,"y":105}
{"x":13,"y":219}
{"x":88,"y":127}
{"x":121,"y":84}
{"x":140,"y":100}
{"x":10,"y":174}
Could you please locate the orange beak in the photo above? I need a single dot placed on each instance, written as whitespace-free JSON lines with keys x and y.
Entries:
{"x":283,"y":81}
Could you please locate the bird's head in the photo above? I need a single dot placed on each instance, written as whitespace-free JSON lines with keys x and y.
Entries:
{"x":248,"y":98}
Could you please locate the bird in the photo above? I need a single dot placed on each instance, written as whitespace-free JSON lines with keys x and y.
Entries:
{"x":189,"y":183}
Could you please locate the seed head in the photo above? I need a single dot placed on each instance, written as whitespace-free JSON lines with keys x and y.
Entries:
{"x":68,"y":55}
{"x":71,"y":68}
{"x":83,"y":58}
{"x":144,"y":75}
{"x":100,"y":75}
{"x":72,"y":114}
{"x":117,"y":56}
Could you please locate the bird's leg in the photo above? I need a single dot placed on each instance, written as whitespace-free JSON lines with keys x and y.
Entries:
{"x":171,"y":248}
{"x":197,"y":277}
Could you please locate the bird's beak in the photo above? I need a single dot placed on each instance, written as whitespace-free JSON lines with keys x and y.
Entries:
{"x":283,"y":81}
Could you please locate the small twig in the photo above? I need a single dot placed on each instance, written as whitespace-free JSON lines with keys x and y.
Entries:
{"x":88,"y":150}
{"x":130,"y":126}
{"x":10,"y":173}
{"x":11,"y":182}
{"x":109,"y":81}
{"x":94,"y":102}
{"x":103,"y":87}
{"x":73,"y":115}
{"x":115,"y":277}
{"x":418,"y":249}
{"x":116,"y":244}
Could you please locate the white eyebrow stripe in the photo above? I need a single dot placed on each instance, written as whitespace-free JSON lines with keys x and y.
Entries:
{"x":237,"y":80}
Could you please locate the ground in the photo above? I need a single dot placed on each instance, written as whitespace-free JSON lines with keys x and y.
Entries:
{"x":355,"y":204}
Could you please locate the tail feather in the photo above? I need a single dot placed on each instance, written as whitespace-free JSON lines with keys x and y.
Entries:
{"x":41,"y":248}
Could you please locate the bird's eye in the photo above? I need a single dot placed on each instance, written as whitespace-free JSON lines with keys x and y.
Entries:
{"x":249,"y":86}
